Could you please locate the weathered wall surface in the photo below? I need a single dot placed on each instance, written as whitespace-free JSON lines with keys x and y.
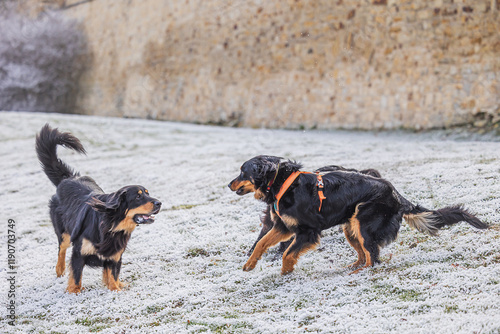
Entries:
{"x":318,"y":63}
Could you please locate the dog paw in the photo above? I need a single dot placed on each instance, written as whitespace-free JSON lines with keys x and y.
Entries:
{"x":75,"y":290}
{"x":250,"y":265}
{"x":60,"y":271}
{"x":355,"y":265}
{"x":122,"y":285}
{"x":358,"y":270}
{"x":286,"y":271}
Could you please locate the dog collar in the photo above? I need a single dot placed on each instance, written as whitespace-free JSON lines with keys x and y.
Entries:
{"x":275,"y":176}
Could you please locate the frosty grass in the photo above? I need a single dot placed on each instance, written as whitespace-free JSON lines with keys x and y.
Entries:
{"x":185,"y":269}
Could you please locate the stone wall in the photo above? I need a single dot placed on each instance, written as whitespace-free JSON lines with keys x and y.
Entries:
{"x":294,"y":64}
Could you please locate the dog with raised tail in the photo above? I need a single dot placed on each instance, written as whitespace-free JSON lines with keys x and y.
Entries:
{"x":98,"y":224}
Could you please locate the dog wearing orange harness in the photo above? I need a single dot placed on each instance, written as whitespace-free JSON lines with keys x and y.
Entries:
{"x":302,"y":204}
{"x":267,"y":222}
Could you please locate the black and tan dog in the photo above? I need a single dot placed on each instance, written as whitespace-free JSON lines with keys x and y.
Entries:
{"x":98,"y":225}
{"x":268,"y":223}
{"x":301,"y":205}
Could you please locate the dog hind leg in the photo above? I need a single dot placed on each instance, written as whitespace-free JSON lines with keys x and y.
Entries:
{"x":64,"y":243}
{"x":302,"y":243}
{"x":76,"y":271}
{"x":353,"y":241}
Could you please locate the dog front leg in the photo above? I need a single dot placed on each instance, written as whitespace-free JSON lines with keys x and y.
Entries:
{"x":110,"y":274}
{"x":277,"y":234}
{"x":267,"y":225}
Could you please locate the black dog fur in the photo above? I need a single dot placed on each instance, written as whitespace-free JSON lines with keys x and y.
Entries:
{"x":98,"y":225}
{"x":369,"y":207}
{"x":267,"y":222}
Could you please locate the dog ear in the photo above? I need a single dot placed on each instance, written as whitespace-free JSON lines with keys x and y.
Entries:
{"x":266,"y":169}
{"x":269,"y":166}
{"x":109,"y":204}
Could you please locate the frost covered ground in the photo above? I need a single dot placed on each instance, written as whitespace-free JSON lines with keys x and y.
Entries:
{"x":185,"y":270}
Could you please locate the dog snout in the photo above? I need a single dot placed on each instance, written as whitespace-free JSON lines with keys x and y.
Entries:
{"x":230,"y":185}
{"x":157,"y":204}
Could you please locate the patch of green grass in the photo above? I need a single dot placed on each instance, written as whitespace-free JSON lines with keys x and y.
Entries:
{"x":422,"y":309}
{"x":41,"y":316}
{"x":217,"y":328}
{"x":228,"y":315}
{"x":182,"y":207}
{"x":300,"y":304}
{"x":406,"y":295}
{"x":486,"y":161}
{"x":153,"y":309}
{"x":99,"y":328}
{"x":95,"y":324}
{"x":84,"y":322}
{"x":154,"y":324}
{"x":306,"y":321}
{"x":195,"y":252}
{"x":451,"y":309}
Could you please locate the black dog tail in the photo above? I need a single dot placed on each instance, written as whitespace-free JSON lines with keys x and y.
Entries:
{"x":46,"y":147}
{"x":430,"y":221}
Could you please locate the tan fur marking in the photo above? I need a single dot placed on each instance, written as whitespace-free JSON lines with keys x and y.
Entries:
{"x":87,"y":248}
{"x":117,"y":256}
{"x":128,"y":224}
{"x":291,"y":259}
{"x":106,"y":272}
{"x":247,"y":186}
{"x":356,"y":233}
{"x":73,"y":287}
{"x":140,"y":192}
{"x":289,"y":221}
{"x":258,"y":194}
{"x":354,"y":222}
{"x":61,"y":259}
{"x":355,"y":244}
{"x":422,"y":222}
{"x":109,"y":280}
{"x":272,"y":237}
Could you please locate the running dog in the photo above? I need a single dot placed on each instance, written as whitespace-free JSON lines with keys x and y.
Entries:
{"x":302,"y":204}
{"x":268,"y":223}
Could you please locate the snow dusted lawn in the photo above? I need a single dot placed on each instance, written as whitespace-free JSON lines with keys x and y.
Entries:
{"x":185,"y":270}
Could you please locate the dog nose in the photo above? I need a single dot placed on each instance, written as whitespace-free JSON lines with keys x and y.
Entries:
{"x":157,"y":204}
{"x":229,"y":185}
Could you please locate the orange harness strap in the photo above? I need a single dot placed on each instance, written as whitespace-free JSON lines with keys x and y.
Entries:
{"x":320,"y":185}
{"x":288,"y":182}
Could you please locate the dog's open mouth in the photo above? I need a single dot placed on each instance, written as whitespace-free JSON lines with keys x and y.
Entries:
{"x":149,"y":218}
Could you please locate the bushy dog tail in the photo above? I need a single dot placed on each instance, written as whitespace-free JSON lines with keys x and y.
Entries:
{"x":46,"y":149}
{"x":431,"y":221}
